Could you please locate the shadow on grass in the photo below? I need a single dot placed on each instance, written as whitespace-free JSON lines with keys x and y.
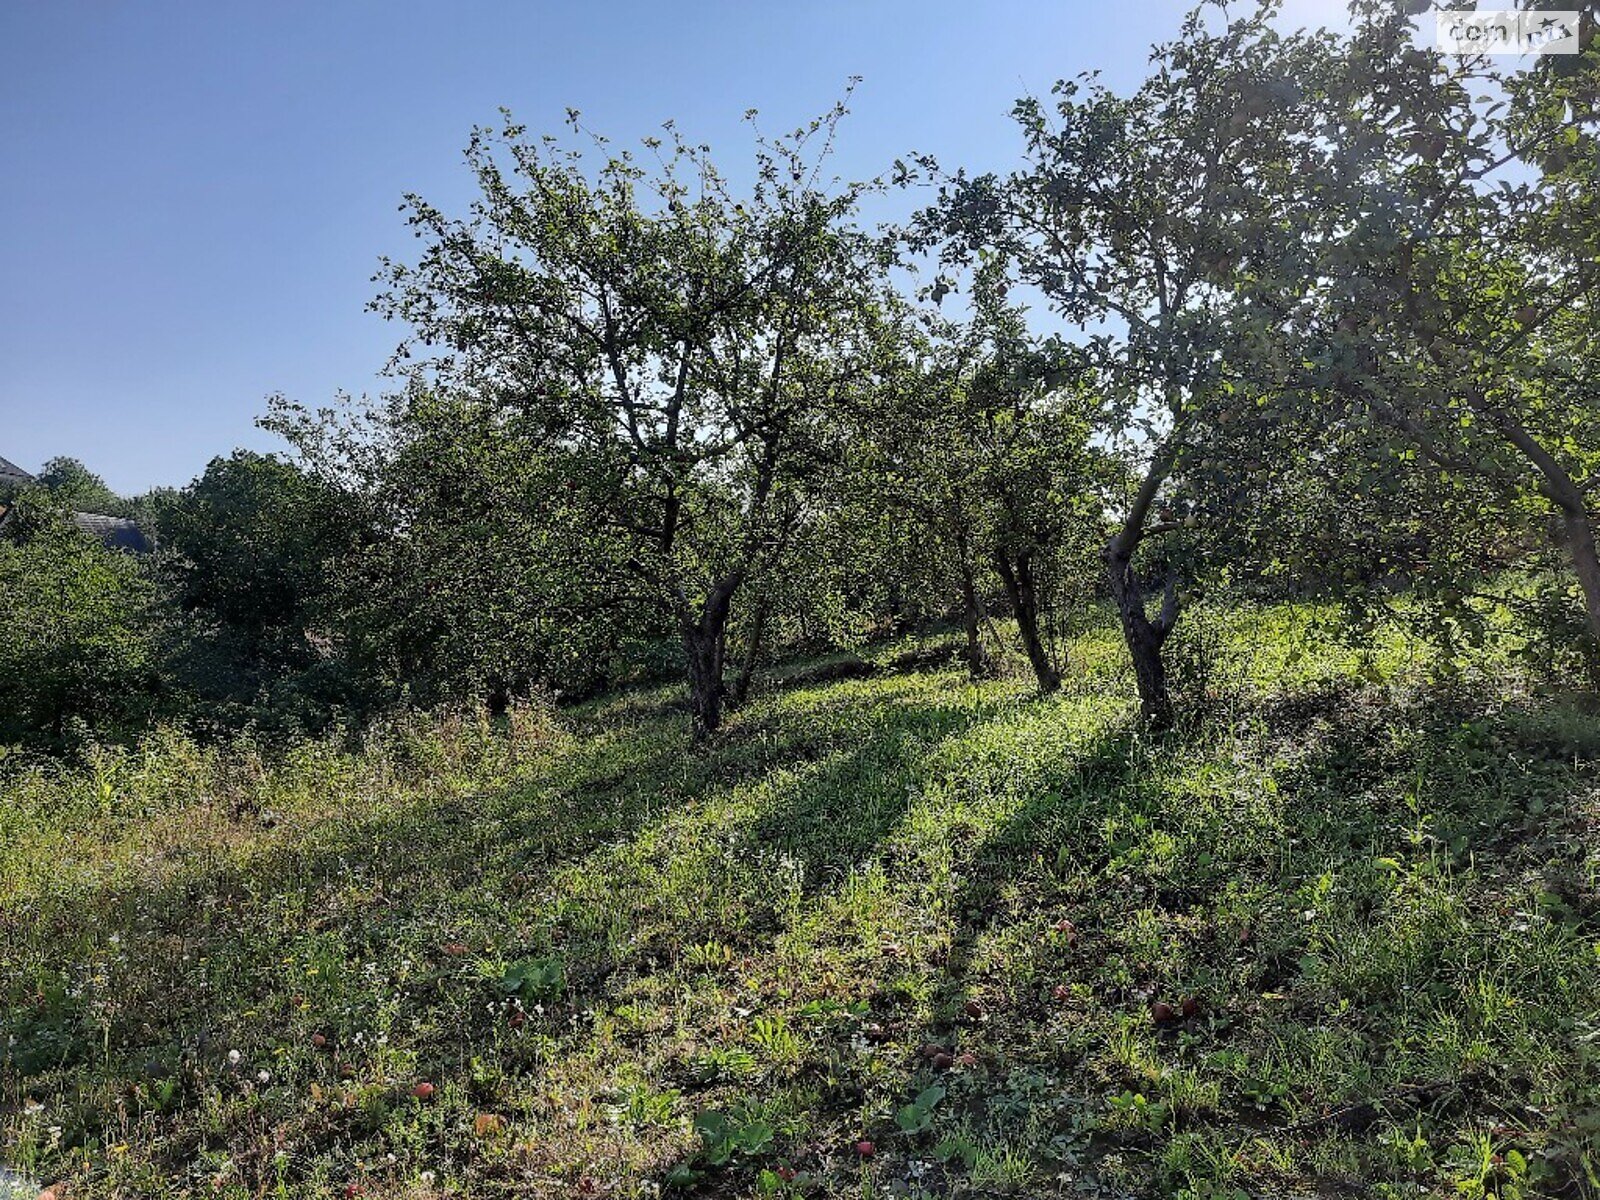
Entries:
{"x":842,"y":814}
{"x":215,"y":953}
{"x":827,"y":777}
{"x":1437,"y":777}
{"x":1360,"y":772}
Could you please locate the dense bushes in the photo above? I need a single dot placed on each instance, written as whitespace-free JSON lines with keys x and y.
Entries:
{"x":80,"y":644}
{"x":249,"y":558}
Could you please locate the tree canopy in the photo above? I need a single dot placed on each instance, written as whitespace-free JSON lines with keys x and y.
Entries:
{"x":1300,"y":314}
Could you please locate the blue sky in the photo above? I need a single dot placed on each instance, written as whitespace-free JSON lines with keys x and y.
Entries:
{"x":196,"y":194}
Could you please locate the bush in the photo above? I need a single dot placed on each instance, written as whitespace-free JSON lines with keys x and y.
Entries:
{"x":249,"y":550}
{"x":1559,"y":642}
{"x":79,"y":646}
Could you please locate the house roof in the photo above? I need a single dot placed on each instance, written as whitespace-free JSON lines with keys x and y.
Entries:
{"x":11,"y":473}
{"x":116,"y":533}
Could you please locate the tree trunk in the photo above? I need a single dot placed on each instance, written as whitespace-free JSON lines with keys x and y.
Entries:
{"x":1559,"y":487}
{"x":1023,"y":592}
{"x":971,"y":618}
{"x":705,"y":651}
{"x":752,"y":652}
{"x":1586,"y":563}
{"x":1144,"y":636}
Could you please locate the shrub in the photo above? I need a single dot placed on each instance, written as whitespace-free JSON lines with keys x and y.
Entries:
{"x":79,"y":646}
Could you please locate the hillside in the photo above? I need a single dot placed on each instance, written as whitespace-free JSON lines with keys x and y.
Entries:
{"x":893,"y":936}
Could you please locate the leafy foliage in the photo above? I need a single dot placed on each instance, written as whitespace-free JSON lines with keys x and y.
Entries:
{"x":677,"y":357}
{"x":250,"y":550}
{"x":80,"y":640}
{"x":74,"y":486}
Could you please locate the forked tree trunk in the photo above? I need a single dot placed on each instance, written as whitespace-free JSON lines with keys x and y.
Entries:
{"x":705,"y":652}
{"x":1143,"y":636}
{"x":1023,"y":592}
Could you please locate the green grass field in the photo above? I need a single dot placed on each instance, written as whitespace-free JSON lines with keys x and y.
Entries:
{"x":893,"y":936}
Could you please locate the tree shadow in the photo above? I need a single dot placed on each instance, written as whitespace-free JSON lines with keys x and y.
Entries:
{"x":1047,"y":896}
{"x":840,"y":814}
{"x":459,"y":881}
{"x":1360,"y":767}
{"x":822,"y":779}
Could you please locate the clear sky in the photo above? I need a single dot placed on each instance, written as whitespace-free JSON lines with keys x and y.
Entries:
{"x":193,"y":196}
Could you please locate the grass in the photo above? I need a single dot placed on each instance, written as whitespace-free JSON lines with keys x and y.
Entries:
{"x":900,"y":935}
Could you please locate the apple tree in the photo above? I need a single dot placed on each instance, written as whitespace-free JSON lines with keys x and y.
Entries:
{"x":683,"y":349}
{"x":1447,"y":295}
{"x":1148,"y":222}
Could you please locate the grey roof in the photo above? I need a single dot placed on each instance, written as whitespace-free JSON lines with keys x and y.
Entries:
{"x":11,"y":473}
{"x":116,"y":533}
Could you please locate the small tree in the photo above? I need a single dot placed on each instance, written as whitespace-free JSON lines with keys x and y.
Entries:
{"x":473,"y":578}
{"x":916,"y":461}
{"x":989,"y":453}
{"x":1029,"y":416}
{"x":75,"y":486}
{"x":681,"y":351}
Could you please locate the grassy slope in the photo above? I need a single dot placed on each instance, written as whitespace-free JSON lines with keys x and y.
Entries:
{"x":1381,"y":894}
